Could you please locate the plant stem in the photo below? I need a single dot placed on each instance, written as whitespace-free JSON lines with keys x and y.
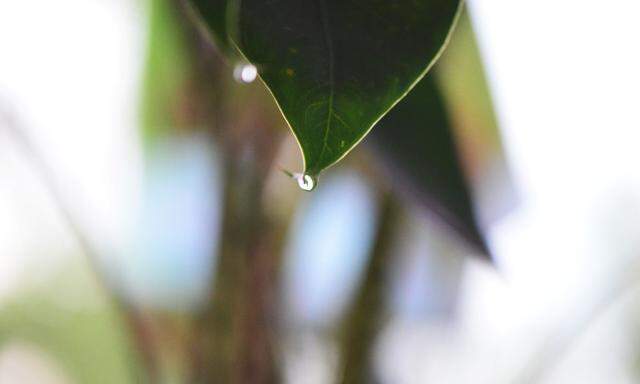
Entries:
{"x":363,"y":322}
{"x":234,"y":333}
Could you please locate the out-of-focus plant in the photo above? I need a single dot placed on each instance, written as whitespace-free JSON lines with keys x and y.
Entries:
{"x":69,"y":318}
{"x":337,"y":68}
{"x":334,"y":71}
{"x":334,"y":67}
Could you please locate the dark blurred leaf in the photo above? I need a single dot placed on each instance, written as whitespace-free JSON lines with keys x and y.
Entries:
{"x":464,"y":85}
{"x":336,"y":66}
{"x":416,"y":143}
{"x":461,"y":76}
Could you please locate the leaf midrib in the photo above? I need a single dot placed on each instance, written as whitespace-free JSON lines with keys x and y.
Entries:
{"x":327,"y":35}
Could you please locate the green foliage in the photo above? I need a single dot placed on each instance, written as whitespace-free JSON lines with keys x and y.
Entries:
{"x":335,"y":67}
{"x":167,"y":69}
{"x":70,"y":320}
{"x":415,"y":140}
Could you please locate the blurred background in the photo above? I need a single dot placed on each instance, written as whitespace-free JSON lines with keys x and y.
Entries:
{"x":147,"y":233}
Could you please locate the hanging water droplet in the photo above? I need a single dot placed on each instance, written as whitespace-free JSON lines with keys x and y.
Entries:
{"x":306,"y":182}
{"x":245,"y":72}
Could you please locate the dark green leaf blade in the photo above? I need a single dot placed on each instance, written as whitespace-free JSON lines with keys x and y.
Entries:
{"x":335,"y":67}
{"x":415,"y":142}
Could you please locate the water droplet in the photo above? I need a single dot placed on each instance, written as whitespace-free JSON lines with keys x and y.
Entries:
{"x":306,"y":182}
{"x":245,"y":72}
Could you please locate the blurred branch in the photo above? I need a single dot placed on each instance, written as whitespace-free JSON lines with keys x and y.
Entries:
{"x":234,"y":332}
{"x":552,"y":354}
{"x":131,"y":316}
{"x":366,"y":317}
{"x":215,"y":328}
{"x":232,"y":335}
{"x":257,"y":360}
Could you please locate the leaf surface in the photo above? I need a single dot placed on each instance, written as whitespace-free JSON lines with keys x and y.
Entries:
{"x":335,"y":67}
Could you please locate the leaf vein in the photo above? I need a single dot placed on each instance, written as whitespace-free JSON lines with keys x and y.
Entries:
{"x":327,"y":36}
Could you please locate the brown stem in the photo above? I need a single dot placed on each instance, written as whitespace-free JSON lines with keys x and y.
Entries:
{"x":233,"y":334}
{"x":366,"y":316}
{"x":215,"y":327}
{"x":256,"y":353}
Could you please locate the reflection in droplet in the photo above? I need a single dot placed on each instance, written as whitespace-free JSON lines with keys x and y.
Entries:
{"x":306,"y":182}
{"x":245,"y":72}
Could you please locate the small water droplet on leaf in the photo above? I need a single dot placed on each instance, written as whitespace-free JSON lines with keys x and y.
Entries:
{"x":307,"y":182}
{"x":245,"y":72}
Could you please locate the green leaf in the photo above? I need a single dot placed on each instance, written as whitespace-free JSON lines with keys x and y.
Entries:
{"x":415,"y":142}
{"x":335,"y":67}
